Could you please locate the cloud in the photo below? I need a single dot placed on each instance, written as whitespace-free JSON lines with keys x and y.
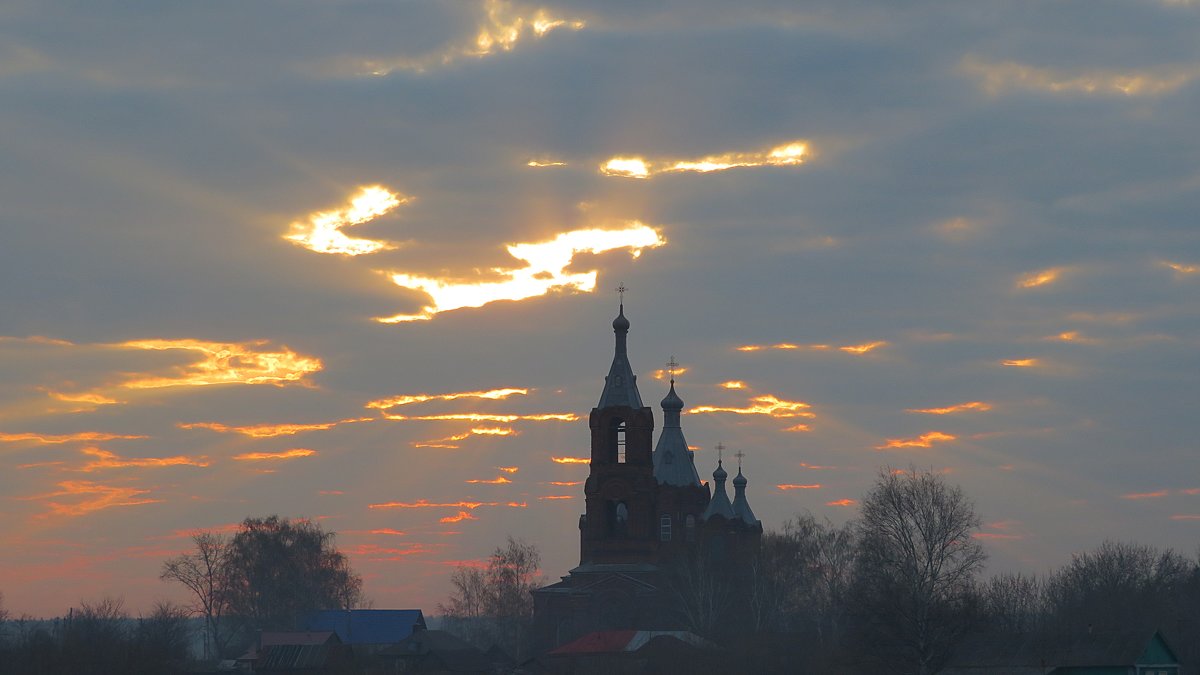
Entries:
{"x":1038,"y":279}
{"x":842,"y":502}
{"x":799,"y":428}
{"x":322,"y":232}
{"x":969,"y":406}
{"x":556,"y":497}
{"x":857,"y":349}
{"x":1021,"y":363}
{"x":789,"y":153}
{"x":501,"y":30}
{"x":794,"y":486}
{"x":490,"y":417}
{"x":449,"y":441}
{"x":269,"y":430}
{"x":1181,"y":269}
{"x":1000,"y":77}
{"x":92,"y":497}
{"x":546,"y":269}
{"x":925,"y":440}
{"x":56,"y":439}
{"x":293,"y":453}
{"x":767,"y":404}
{"x":733,"y":384}
{"x":407,"y":399}
{"x":571,"y":460}
{"x":105,"y":459}
{"x":458,"y":517}
{"x":498,"y":480}
{"x":225,"y":363}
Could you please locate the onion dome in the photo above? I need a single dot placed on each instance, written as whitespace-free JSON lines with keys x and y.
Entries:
{"x":719,"y":504}
{"x":674,"y":463}
{"x":741,"y":507}
{"x":620,"y":386}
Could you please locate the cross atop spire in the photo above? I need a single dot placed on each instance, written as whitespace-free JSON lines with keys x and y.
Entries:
{"x":720,"y":450}
{"x":671,"y":366}
{"x":621,"y":291}
{"x":739,"y":454}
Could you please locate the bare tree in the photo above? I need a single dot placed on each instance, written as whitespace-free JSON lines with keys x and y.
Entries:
{"x":495,"y":604}
{"x":700,"y":590}
{"x":204,"y":573}
{"x":1013,"y":603}
{"x":916,"y":569}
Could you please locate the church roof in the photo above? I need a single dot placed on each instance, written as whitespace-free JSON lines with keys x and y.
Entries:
{"x":719,"y":504}
{"x":741,"y":506}
{"x":674,"y":463}
{"x":620,"y":386}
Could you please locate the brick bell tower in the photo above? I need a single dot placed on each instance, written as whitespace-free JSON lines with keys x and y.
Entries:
{"x":620,"y":523}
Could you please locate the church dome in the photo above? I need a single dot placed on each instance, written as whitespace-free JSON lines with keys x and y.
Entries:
{"x":672,"y":400}
{"x":621,"y":323}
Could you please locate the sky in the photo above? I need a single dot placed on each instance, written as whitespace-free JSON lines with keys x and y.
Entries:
{"x":355,"y":261}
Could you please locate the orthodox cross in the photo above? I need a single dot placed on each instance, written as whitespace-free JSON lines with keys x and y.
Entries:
{"x":720,"y":449}
{"x":671,"y":366}
{"x":621,"y":290}
{"x":739,"y":454}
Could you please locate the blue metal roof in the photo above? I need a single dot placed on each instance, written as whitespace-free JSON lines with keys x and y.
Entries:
{"x":367,"y":626}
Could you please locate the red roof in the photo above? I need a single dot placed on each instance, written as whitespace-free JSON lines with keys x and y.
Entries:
{"x":599,"y":642}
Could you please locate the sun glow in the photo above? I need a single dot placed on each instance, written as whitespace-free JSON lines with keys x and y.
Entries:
{"x":996,"y":78}
{"x":322,"y":232}
{"x":225,"y":363}
{"x":791,"y":153}
{"x":546,"y":269}
{"x":925,"y":440}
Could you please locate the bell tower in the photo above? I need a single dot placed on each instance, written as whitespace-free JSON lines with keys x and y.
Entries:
{"x":619,"y":525}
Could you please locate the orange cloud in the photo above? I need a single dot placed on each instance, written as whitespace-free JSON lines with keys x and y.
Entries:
{"x":790,"y":153}
{"x":449,"y":441}
{"x":662,"y":373}
{"x":793,"y":486}
{"x":457,"y":518}
{"x":388,"y":531}
{"x":509,"y":469}
{"x":489,"y":417}
{"x":93,"y":497}
{"x":294,"y":453}
{"x":734,"y":384}
{"x":85,"y":397}
{"x":110,"y":460}
{"x":322,"y":232}
{"x":766,"y":404}
{"x":842,"y":502}
{"x":1146,"y":495}
{"x":270,"y":430}
{"x":815,"y":467}
{"x":1182,"y":269}
{"x":1190,"y":491}
{"x":863,"y":348}
{"x":557,"y":497}
{"x":798,"y":428}
{"x":1020,"y":363}
{"x":564,"y":483}
{"x":498,"y":480}
{"x":571,"y":460}
{"x":1037,"y":279}
{"x":546,"y":269}
{"x":425,"y":504}
{"x":224,"y":363}
{"x":969,"y":406}
{"x":406,"y":399}
{"x":925,"y":440}
{"x":55,"y":439}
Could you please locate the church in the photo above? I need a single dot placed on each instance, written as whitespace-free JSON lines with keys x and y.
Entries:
{"x":653,"y":538}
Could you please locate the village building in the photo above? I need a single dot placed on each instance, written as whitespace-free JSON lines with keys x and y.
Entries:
{"x":648,"y":520}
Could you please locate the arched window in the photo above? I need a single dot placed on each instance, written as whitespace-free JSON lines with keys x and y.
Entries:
{"x":621,"y":521}
{"x":621,"y":442}
{"x":664,"y":527}
{"x":689,"y":529}
{"x":616,"y":440}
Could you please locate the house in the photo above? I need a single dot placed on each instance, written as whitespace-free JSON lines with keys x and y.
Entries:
{"x":367,"y":630}
{"x":297,"y":651}
{"x":1124,"y":653}
{"x":436,"y":651}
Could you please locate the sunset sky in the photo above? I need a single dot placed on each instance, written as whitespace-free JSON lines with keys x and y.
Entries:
{"x":355,"y":261}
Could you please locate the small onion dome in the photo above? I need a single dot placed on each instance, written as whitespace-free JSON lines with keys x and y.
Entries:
{"x":720,"y":474}
{"x":672,"y":400}
{"x":621,"y":323}
{"x":740,"y":480}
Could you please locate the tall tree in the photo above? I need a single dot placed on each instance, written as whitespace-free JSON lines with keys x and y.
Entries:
{"x":494,"y":604}
{"x":204,"y":573}
{"x":278,"y":570}
{"x":916,"y":568}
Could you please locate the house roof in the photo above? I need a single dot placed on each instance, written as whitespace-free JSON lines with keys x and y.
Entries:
{"x":1126,"y":648}
{"x":426,"y":641}
{"x":300,"y":657}
{"x":611,"y":641}
{"x":367,"y":626}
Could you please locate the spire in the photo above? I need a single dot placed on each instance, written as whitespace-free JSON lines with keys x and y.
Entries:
{"x":620,"y":387}
{"x":719,"y":504}
{"x":741,"y":507}
{"x":674,"y":463}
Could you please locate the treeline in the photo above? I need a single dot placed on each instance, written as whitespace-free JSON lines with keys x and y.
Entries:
{"x":97,"y":638}
{"x":901,"y":587}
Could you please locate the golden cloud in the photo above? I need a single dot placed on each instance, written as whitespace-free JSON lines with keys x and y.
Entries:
{"x":449,"y":441}
{"x":1181,"y":269}
{"x":564,"y":483}
{"x":110,"y":460}
{"x":407,"y":399}
{"x":546,"y":269}
{"x":997,"y":78}
{"x":426,"y":504}
{"x":766,"y":404}
{"x":863,"y":348}
{"x":733,"y":384}
{"x":502,"y":29}
{"x":571,"y":460}
{"x":458,"y":517}
{"x":790,"y":153}
{"x":1020,"y":363}
{"x":225,"y":363}
{"x":857,"y":349}
{"x":509,"y":469}
{"x":1037,"y":279}
{"x":544,"y":163}
{"x":322,"y":232}
{"x":270,"y":430}
{"x":793,"y":486}
{"x":556,"y":497}
{"x":925,"y":440}
{"x":842,"y":502}
{"x":798,"y":428}
{"x":293,"y":453}
{"x":490,"y":417}
{"x":498,"y":480}
{"x":969,"y":406}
